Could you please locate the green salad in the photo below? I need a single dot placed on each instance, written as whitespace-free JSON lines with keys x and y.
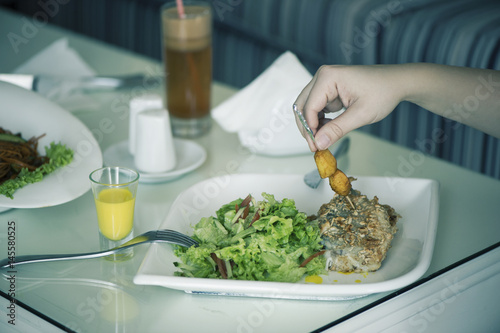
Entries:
{"x":266,"y":240}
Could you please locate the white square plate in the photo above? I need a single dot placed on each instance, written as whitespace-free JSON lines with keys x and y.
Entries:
{"x":416,"y":200}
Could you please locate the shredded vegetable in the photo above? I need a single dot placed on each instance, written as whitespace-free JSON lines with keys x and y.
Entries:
{"x":21,"y":164}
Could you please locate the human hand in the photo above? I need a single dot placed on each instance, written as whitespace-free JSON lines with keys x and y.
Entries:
{"x":369,"y":94}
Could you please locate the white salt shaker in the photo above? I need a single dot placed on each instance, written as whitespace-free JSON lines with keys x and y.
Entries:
{"x":138,"y":104}
{"x":154,"y":144}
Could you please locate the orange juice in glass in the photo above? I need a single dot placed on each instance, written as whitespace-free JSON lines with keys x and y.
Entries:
{"x":115,"y":190}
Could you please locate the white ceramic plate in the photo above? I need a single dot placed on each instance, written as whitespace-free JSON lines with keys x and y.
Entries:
{"x":32,"y":115}
{"x":190,"y":156}
{"x":416,"y":200}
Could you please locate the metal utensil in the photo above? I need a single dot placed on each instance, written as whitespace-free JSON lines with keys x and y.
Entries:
{"x":164,"y":235}
{"x":312,"y":178}
{"x":303,"y":122}
{"x":48,"y":85}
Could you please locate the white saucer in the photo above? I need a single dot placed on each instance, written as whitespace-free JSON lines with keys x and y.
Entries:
{"x":190,"y":156}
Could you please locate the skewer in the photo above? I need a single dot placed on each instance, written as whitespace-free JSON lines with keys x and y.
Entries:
{"x":352,"y":205}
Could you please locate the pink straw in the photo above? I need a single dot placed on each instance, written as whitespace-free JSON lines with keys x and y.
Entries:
{"x":180,"y":9}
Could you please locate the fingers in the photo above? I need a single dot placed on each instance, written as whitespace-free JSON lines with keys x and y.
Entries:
{"x":317,"y":97}
{"x":333,"y":130}
{"x":331,"y":89}
{"x":323,"y":98}
{"x":369,"y":94}
{"x":323,"y":95}
{"x":300,"y":101}
{"x":304,"y":134}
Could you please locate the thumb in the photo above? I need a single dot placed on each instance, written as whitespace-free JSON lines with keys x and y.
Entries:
{"x":327,"y":135}
{"x":336,"y":128}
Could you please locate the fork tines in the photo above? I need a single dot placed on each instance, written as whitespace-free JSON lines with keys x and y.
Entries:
{"x":176,"y":237}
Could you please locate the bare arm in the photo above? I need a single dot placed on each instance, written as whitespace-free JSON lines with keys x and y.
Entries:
{"x":370,"y":93}
{"x":468,"y":95}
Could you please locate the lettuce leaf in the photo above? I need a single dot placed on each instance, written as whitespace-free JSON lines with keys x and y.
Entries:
{"x":269,"y":246}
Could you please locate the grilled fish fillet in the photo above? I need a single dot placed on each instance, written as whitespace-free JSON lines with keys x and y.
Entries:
{"x":356,"y":239}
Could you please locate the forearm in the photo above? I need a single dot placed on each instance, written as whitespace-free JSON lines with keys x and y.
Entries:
{"x":467,"y":95}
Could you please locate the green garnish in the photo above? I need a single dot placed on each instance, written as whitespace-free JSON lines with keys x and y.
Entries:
{"x":266,"y":241}
{"x":59,"y":155}
{"x":11,"y":137}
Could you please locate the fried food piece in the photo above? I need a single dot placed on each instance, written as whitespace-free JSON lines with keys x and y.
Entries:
{"x":340,"y":183}
{"x":356,"y":240}
{"x":326,"y":163}
{"x":327,"y":168}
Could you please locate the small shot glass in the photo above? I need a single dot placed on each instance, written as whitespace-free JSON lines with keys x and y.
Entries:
{"x":115,"y":190}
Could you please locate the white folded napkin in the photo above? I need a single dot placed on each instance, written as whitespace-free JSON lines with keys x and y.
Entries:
{"x":59,"y":59}
{"x":56,"y":59}
{"x":261,"y":113}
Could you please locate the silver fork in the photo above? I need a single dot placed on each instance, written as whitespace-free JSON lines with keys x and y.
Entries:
{"x":164,"y":235}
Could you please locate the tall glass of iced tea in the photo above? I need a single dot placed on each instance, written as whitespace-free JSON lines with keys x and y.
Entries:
{"x":187,"y":47}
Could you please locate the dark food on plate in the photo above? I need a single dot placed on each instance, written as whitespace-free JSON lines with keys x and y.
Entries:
{"x":17,"y":153}
{"x":21,"y":164}
{"x":357,"y":232}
